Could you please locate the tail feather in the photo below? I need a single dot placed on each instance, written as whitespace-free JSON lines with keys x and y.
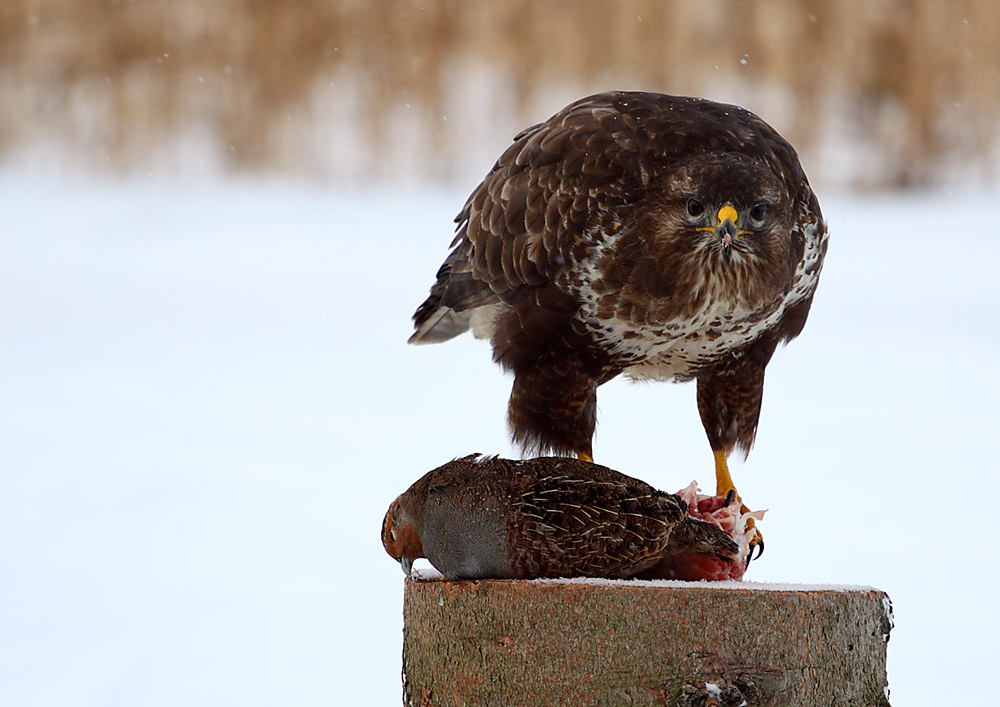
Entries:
{"x":454,"y":297}
{"x":441,"y":324}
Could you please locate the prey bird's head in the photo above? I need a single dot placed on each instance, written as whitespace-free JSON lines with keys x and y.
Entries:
{"x":400,"y":537}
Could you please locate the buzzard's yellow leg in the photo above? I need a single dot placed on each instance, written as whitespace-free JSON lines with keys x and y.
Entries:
{"x":584,"y":456}
{"x":723,"y":481}
{"x":723,"y":485}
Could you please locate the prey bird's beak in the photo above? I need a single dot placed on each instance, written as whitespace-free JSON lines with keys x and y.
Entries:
{"x":406,"y":563}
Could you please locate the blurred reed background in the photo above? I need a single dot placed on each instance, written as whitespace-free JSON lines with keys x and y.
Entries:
{"x":886,"y":93}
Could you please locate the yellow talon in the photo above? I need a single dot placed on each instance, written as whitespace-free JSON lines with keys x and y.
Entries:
{"x":723,"y":485}
{"x":583,"y":456}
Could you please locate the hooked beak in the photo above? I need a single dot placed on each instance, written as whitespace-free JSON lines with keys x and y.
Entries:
{"x":406,"y":563}
{"x":727,"y":231}
{"x":726,"y":228}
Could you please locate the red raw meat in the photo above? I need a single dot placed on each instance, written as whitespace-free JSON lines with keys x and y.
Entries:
{"x":690,"y":565}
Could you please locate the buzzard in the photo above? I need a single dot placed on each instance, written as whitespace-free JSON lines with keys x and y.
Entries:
{"x":655,"y":236}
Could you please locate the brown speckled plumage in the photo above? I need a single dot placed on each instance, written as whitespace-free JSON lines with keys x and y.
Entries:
{"x":656,"y":236}
{"x":479,"y":517}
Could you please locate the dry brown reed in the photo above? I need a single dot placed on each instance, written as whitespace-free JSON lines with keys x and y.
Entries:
{"x":908,"y":89}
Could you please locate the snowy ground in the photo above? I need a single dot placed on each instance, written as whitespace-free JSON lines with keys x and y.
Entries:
{"x":208,"y":403}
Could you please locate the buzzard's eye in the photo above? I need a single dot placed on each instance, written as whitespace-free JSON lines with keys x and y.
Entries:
{"x":392,"y":535}
{"x":695,"y":208}
{"x":757,"y":214}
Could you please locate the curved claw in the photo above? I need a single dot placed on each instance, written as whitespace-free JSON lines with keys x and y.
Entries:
{"x":724,"y":482}
{"x":759,"y":546}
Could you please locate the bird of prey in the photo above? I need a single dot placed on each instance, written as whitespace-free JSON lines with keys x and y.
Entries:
{"x":485,"y":517}
{"x":654,"y":236}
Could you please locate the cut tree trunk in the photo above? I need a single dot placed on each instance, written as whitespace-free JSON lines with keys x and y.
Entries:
{"x":595,"y":642}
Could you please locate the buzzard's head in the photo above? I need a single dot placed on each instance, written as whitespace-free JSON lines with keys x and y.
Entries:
{"x":719,"y":224}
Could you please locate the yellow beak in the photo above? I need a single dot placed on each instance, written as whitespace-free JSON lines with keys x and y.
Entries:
{"x":727,"y":212}
{"x":725,"y":227}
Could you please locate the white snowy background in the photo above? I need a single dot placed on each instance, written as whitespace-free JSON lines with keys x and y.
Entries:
{"x":207,"y":402}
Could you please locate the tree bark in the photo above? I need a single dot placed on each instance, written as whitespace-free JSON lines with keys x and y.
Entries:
{"x":580,"y":642}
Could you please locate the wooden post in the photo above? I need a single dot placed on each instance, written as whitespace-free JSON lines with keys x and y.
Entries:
{"x":598,"y":642}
